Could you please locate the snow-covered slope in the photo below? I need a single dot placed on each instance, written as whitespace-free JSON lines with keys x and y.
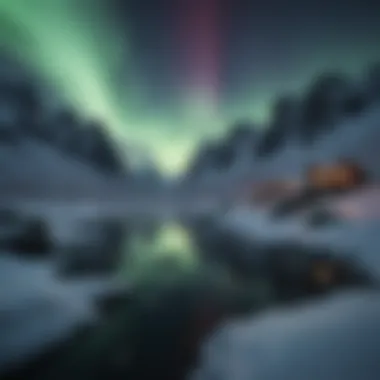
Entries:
{"x":334,"y":338}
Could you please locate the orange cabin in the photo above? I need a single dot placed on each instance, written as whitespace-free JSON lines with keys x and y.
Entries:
{"x":337,"y":176}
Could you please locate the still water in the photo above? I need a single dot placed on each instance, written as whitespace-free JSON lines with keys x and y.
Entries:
{"x":173,"y":252}
{"x":156,"y":247}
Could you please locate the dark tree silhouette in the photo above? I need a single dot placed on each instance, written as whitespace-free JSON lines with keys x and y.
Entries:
{"x":199,"y":162}
{"x":35,"y":240}
{"x":355,"y":103}
{"x":284,"y":121}
{"x":97,"y":148}
{"x":329,"y":98}
{"x":100,"y":256}
{"x":240,"y":132}
{"x":62,"y":130}
{"x":224,"y":156}
{"x":211,"y":156}
{"x":271,"y":140}
{"x":20,"y":107}
{"x":287,"y":111}
{"x":243,"y":133}
{"x":24,"y":237}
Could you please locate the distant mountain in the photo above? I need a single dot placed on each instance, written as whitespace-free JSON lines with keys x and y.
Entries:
{"x":218,"y":158}
{"x":335,"y":118}
{"x":39,"y":145}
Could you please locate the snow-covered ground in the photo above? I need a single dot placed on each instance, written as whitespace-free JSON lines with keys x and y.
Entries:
{"x":38,"y":309}
{"x":32,"y":168}
{"x":359,"y":238}
{"x":329,"y":339}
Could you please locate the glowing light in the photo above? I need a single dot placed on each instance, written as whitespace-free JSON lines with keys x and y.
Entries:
{"x":70,"y":45}
{"x":78,"y":52}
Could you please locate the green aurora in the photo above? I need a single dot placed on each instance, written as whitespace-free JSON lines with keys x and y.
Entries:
{"x":67,"y":46}
{"x":73,"y":45}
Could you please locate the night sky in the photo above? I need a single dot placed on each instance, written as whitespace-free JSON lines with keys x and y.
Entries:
{"x":167,"y":73}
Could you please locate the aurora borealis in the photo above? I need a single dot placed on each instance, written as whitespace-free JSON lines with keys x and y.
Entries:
{"x":166,"y":73}
{"x":63,"y":43}
{"x":201,"y":58}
